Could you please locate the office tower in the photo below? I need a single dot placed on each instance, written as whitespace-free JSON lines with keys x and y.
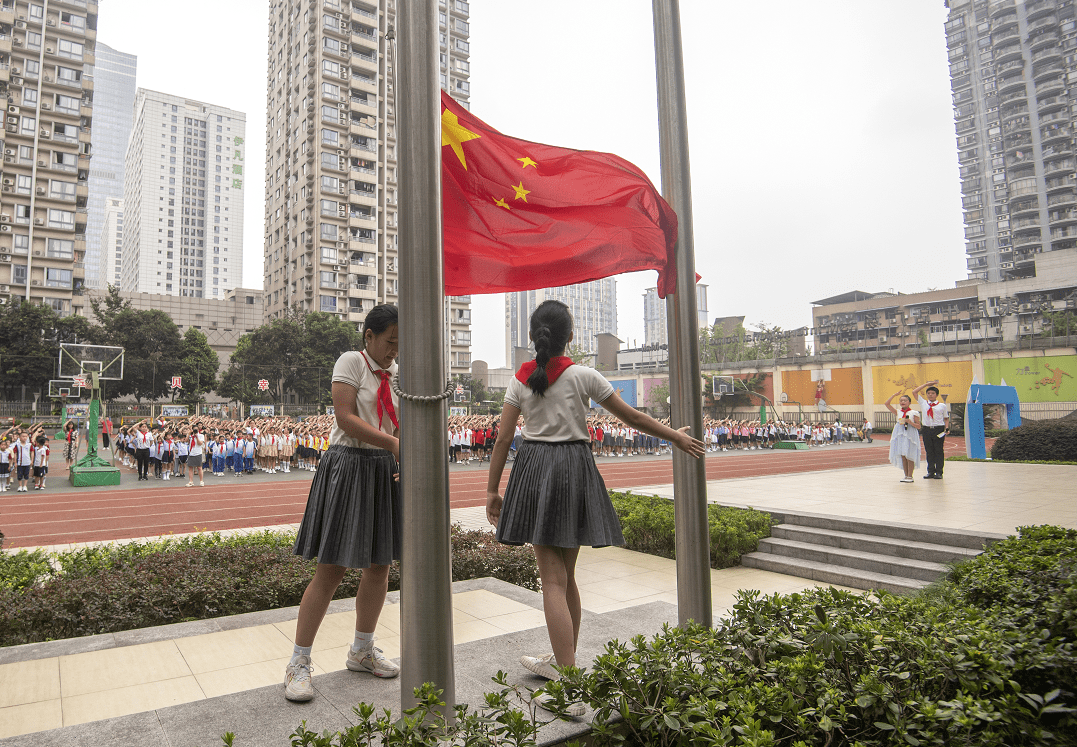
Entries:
{"x":183,"y":198}
{"x":1008,"y":68}
{"x":110,"y":241}
{"x":593,"y":306}
{"x":331,"y":241}
{"x":113,"y":106}
{"x":654,"y":314}
{"x":46,"y":143}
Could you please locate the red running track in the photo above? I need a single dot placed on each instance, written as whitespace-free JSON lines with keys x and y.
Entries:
{"x":46,"y":518}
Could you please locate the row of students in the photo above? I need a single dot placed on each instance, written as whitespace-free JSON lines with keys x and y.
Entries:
{"x":23,"y":456}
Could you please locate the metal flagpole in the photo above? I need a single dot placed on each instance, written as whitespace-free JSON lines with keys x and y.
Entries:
{"x":426,"y":568}
{"x":686,"y":395}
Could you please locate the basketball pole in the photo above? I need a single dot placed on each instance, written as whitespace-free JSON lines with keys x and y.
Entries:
{"x":689,"y":474}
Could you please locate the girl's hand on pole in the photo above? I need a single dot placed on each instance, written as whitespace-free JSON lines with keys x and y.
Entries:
{"x":493,"y":508}
{"x":693,"y":447}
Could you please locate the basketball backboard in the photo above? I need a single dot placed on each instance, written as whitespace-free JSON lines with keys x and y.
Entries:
{"x":821,"y":375}
{"x":722,"y":385}
{"x":64,"y":388}
{"x":106,"y":360}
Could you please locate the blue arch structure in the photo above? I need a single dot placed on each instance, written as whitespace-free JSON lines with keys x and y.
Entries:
{"x":987,"y":394}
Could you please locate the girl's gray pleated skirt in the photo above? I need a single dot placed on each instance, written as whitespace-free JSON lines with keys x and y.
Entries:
{"x":556,"y":497}
{"x":353,"y":510}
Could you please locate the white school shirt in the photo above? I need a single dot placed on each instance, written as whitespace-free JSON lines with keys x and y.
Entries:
{"x":561,"y":415}
{"x":143,"y":440}
{"x":354,"y":369}
{"x":195,"y":444}
{"x":941,"y":410}
{"x":23,"y":453}
{"x":154,"y":450}
{"x":41,"y":456}
{"x":181,"y":448}
{"x":5,"y":455}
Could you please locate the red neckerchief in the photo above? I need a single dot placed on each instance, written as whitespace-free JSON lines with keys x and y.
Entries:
{"x":931,"y":409}
{"x":905,"y":412}
{"x":385,"y":393}
{"x":554,"y":369}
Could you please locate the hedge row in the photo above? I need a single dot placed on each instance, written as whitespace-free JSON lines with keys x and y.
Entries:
{"x":124,"y":587}
{"x":648,"y":526}
{"x":1038,"y":440}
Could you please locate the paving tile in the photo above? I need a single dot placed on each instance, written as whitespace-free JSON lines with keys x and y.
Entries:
{"x":620,"y":589}
{"x":16,"y":720}
{"x":614,"y":568}
{"x":29,"y":682}
{"x":117,"y":668}
{"x":79,"y":709}
{"x":473,"y":630}
{"x":245,"y":677}
{"x":482,"y":603}
{"x":232,"y":648}
{"x":514,"y":621}
{"x":585,"y":575}
{"x":662,"y":580}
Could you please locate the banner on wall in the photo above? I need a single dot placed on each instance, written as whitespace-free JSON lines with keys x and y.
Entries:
{"x":844,"y":387}
{"x":174,"y":411}
{"x":954,"y":379}
{"x":260,"y":411}
{"x":1050,"y":379}
{"x":626,"y":389}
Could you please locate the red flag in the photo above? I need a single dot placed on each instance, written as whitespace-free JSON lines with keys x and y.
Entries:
{"x":520,"y":215}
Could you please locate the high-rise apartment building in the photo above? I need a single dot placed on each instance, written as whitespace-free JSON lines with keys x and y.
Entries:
{"x":654,"y":315}
{"x":47,"y":49}
{"x":1009,"y":62}
{"x":331,"y":241}
{"x":183,"y":198}
{"x":593,"y":306}
{"x":113,"y":106}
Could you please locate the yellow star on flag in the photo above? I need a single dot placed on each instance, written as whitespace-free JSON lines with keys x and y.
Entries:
{"x":500,"y":202}
{"x":521,"y":193}
{"x":455,"y":134}
{"x":526,"y":161}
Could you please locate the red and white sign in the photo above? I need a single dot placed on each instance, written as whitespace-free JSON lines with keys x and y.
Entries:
{"x":177,"y":382}
{"x":459,"y":389}
{"x":263,"y":384}
{"x":80,"y":381}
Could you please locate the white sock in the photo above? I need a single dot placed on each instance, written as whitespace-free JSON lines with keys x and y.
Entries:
{"x":298,"y":651}
{"x":363,"y":641}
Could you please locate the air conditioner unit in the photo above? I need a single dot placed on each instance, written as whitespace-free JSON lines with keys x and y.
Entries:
{"x":340,"y":152}
{"x":342,"y":294}
{"x":20,"y":24}
{"x":9,"y":151}
{"x":39,"y":221}
{"x":42,"y":163}
{"x":13,"y":110}
{"x":16,"y":80}
{"x":8,"y":182}
{"x":35,"y":282}
{"x":882,"y":339}
{"x":46,"y":133}
{"x":5,"y":258}
{"x":342,"y":189}
{"x":13,"y":120}
{"x":48,"y":78}
{"x":51,"y":22}
{"x":41,"y":190}
{"x":49,"y":50}
{"x":5,"y":218}
{"x":5,"y":228}
{"x":17,"y":42}
{"x":46,"y":106}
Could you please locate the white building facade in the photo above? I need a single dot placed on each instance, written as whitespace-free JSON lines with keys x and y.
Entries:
{"x":654,"y":314}
{"x":593,"y":306}
{"x":110,"y":241}
{"x":183,"y":198}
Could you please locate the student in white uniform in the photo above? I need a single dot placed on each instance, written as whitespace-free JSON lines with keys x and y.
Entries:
{"x":196,"y":443}
{"x":24,"y":459}
{"x":41,"y":462}
{"x":5,"y":463}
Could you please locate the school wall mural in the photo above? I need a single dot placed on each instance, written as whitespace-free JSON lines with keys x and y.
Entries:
{"x":954,"y":379}
{"x":648,"y":385}
{"x":1050,"y":379}
{"x":846,"y":387}
{"x":627,"y":389}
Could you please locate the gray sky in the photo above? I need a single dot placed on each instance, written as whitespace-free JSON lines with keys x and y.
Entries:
{"x":822,"y":141}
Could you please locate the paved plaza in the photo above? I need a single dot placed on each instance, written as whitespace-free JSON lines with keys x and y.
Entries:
{"x":141,"y":673}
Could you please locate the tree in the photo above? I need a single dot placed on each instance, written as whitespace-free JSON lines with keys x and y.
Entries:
{"x":30,"y":337}
{"x":719,"y":346}
{"x":153,"y":352}
{"x":198,"y":367}
{"x":472,"y":385}
{"x":576,"y":352}
{"x":1059,"y":323}
{"x":656,"y":398}
{"x":106,"y":309}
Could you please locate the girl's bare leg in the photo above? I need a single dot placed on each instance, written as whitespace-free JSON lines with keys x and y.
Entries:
{"x":560,"y":599}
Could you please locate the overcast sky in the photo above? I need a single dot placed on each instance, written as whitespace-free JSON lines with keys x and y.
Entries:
{"x":821,"y":133}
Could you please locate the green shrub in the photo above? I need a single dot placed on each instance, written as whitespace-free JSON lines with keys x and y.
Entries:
{"x":985,"y":659}
{"x":122,"y":587}
{"x":21,"y":569}
{"x":1038,"y":440}
{"x":648,"y":526}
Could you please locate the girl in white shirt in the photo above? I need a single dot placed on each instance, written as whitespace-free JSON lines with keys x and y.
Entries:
{"x":352,"y":518}
{"x":5,"y":463}
{"x":556,"y":499}
{"x":196,"y":443}
{"x":41,"y":463}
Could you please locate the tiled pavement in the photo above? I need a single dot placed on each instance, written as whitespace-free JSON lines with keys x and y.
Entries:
{"x":64,"y":683}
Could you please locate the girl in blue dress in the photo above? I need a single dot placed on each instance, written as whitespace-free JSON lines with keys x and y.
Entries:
{"x":905,"y":440}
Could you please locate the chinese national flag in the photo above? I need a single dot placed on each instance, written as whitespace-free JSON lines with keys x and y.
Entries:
{"x":520,"y":215}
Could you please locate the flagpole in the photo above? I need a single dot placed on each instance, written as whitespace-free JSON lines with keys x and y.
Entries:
{"x":686,"y":395}
{"x":426,"y":566}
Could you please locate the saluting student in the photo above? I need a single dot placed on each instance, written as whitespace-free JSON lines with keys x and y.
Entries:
{"x":935,"y":426}
{"x":5,"y":463}
{"x":556,"y":499}
{"x":352,"y":519}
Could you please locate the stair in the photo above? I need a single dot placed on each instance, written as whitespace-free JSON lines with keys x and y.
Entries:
{"x":863,"y":554}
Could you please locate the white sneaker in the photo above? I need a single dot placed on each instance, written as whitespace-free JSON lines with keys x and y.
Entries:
{"x":544,"y":700}
{"x":201,"y":483}
{"x":190,"y":484}
{"x":540,"y":665}
{"x":371,"y":660}
{"x":297,"y":684}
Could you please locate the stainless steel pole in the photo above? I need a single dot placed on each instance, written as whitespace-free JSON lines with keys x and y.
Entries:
{"x":686,"y":394}
{"x":426,"y":568}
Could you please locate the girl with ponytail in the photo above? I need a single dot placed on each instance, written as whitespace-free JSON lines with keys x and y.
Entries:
{"x":556,"y":499}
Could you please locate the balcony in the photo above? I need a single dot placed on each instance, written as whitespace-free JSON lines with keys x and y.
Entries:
{"x":1026,"y":186}
{"x":1064,"y":233}
{"x":1064,"y":198}
{"x":1059,"y":166}
{"x":1018,"y":94}
{"x":1026,"y":207}
{"x":1050,"y":87}
{"x":1042,"y":23}
{"x":1025,"y":223}
{"x":1062,"y":217}
{"x":1008,"y":53}
{"x":1047,"y":37}
{"x":1047,"y":54}
{"x":1006,"y":36}
{"x":1027,"y":241}
{"x":997,"y":11}
{"x":1057,"y":149}
{"x":1038,"y":8}
{"x":1054,"y":132}
{"x":1048,"y":69}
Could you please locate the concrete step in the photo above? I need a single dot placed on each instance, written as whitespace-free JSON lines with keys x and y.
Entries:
{"x":925,"y":551}
{"x":890,"y":565}
{"x":906,"y":532}
{"x":831,"y":574}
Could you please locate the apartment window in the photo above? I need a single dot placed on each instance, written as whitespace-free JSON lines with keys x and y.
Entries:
{"x":61,"y":248}
{"x":27,"y":125}
{"x":22,"y":214}
{"x":330,"y":89}
{"x":23,"y":184}
{"x":329,"y":207}
{"x":330,"y":137}
{"x":18,"y":274}
{"x":73,"y":21}
{"x":57,"y":278}
{"x":331,"y":68}
{"x":71,"y":50}
{"x":328,"y":303}
{"x":33,"y":40}
{"x":62,"y":190}
{"x":328,"y":232}
{"x":461,"y":26}
{"x":37,"y":13}
{"x":29,"y":96}
{"x":463,"y":86}
{"x":61,"y":219}
{"x":331,"y":45}
{"x":20,"y":243}
{"x":329,"y":254}
{"x":330,"y":183}
{"x":68,"y":76}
